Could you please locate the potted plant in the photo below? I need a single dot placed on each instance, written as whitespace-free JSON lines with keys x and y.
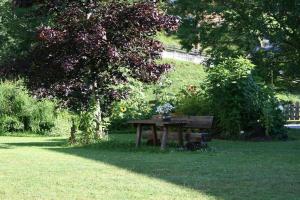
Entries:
{"x":165,"y":111}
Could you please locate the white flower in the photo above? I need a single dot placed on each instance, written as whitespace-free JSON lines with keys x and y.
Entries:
{"x":242,"y":132}
{"x":281,"y":72}
{"x":164,"y":109}
{"x":218,"y":85}
{"x":280,"y":107}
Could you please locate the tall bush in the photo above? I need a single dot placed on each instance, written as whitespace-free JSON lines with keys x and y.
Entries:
{"x":239,"y":103}
{"x":19,"y":111}
{"x":192,"y":100}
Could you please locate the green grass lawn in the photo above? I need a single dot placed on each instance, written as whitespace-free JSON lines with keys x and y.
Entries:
{"x":46,"y":168}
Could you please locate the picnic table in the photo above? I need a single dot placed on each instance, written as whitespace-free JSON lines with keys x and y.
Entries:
{"x":153,"y":123}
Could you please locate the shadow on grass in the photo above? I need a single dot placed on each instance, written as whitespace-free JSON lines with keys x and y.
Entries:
{"x":5,"y":147}
{"x":48,"y":143}
{"x":224,"y":174}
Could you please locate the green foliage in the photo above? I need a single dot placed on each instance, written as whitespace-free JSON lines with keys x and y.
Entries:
{"x":239,"y":103}
{"x":21,"y":112}
{"x":232,"y":28}
{"x":17,"y":30}
{"x":272,"y":116}
{"x":136,"y":106}
{"x":192,"y":100}
{"x":86,"y":127}
{"x":10,"y":124}
{"x":162,"y":93}
{"x":143,"y":98}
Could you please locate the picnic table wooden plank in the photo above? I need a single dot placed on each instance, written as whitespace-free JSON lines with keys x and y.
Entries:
{"x":154,"y":123}
{"x":146,"y":122}
{"x":154,"y":133}
{"x":138,"y":135}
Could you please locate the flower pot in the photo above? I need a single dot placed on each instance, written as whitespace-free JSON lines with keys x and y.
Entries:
{"x":166,"y":118}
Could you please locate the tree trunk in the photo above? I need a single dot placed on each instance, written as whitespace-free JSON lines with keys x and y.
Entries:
{"x":99,"y":129}
{"x":72,"y":138}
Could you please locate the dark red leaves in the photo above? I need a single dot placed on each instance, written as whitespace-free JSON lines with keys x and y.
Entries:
{"x":91,"y":43}
{"x":51,"y":35}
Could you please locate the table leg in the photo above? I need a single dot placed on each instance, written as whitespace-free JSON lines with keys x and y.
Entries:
{"x":164,"y":138}
{"x":180,"y":137}
{"x":138,"y":135}
{"x":154,"y":135}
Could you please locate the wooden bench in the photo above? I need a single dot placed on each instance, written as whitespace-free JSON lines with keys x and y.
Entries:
{"x":196,"y":132}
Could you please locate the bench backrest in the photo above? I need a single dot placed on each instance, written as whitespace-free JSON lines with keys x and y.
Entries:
{"x":204,"y":122}
{"x":201,"y":122}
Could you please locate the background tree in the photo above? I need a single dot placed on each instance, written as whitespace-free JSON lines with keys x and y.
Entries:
{"x":90,"y":47}
{"x":268,"y":31}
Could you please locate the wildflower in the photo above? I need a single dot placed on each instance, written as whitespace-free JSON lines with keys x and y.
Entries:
{"x":191,"y":88}
{"x":164,"y":109}
{"x":123,"y":109}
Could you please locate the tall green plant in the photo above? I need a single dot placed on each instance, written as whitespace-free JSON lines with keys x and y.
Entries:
{"x":19,"y":111}
{"x":239,"y":103}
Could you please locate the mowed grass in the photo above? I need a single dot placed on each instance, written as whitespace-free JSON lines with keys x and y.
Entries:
{"x":46,"y":168}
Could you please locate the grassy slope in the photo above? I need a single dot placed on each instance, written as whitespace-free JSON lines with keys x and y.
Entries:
{"x":185,"y":73}
{"x":43,"y":168}
{"x":182,"y":74}
{"x":174,"y":41}
{"x":171,"y":40}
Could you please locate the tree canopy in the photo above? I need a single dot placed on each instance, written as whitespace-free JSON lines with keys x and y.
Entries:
{"x":232,"y":28}
{"x":90,"y":47}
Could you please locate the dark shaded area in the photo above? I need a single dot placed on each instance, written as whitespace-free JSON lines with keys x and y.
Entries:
{"x":51,"y":143}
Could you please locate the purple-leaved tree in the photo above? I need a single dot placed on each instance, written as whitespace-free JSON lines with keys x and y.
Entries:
{"x":94,"y":46}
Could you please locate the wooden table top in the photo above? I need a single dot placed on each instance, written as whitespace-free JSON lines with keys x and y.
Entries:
{"x":158,"y":122}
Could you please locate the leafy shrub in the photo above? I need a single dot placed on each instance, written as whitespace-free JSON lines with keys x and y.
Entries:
{"x":239,"y":103}
{"x":10,"y":124}
{"x":19,"y":111}
{"x":162,"y":93}
{"x":192,"y":100}
{"x":136,"y":106}
{"x":86,"y":127}
{"x":272,"y":116}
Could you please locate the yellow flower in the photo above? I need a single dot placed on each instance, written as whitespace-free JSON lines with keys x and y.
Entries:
{"x":192,"y":88}
{"x":123,"y":109}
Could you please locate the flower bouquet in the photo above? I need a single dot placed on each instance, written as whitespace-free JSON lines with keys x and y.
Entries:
{"x":165,"y":111}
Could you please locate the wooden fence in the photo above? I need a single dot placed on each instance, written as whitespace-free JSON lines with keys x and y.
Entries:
{"x":292,"y":111}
